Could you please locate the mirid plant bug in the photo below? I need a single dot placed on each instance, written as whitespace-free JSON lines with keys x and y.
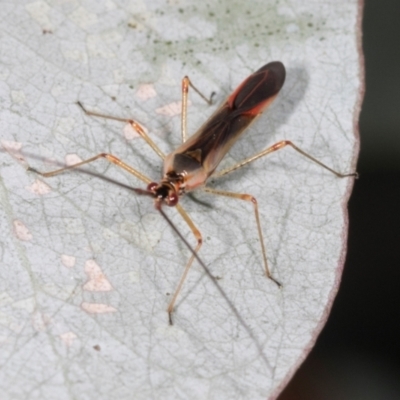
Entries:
{"x":196,"y":159}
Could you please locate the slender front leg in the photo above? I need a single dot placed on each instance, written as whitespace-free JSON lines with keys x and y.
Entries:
{"x":251,"y":199}
{"x":109,"y":157}
{"x":135,"y":125}
{"x":199,"y":239}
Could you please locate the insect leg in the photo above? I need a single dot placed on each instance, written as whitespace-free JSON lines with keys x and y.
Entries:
{"x":186,"y":82}
{"x":248,"y":197}
{"x":278,"y":146}
{"x":199,"y":239}
{"x":135,"y":125}
{"x":108,"y":157}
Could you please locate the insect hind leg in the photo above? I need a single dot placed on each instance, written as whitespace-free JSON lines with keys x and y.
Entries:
{"x":251,"y":199}
{"x":277,"y":146}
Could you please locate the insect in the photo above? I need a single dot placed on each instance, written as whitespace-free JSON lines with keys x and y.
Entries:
{"x":196,"y":159}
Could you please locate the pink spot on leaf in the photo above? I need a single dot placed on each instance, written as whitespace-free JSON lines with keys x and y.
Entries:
{"x":68,"y":261}
{"x":97,"y":281}
{"x":21,"y":231}
{"x":40,"y":321}
{"x":146,"y":91}
{"x":14,"y":149}
{"x":72,"y":159}
{"x":68,"y":338}
{"x":130,"y":133}
{"x":97,"y":308}
{"x":171,"y":109}
{"x":38,"y":187}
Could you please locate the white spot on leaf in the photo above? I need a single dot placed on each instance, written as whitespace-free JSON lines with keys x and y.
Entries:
{"x":134,"y":276}
{"x":98,"y":48}
{"x":18,"y":96}
{"x":119,"y":75}
{"x":39,"y":11}
{"x":58,"y":89}
{"x":9,"y":321}
{"x":142,"y":234}
{"x":73,"y":226}
{"x":27,"y":304}
{"x":5,"y":299}
{"x":291,"y":28}
{"x":109,"y":234}
{"x":83,"y":17}
{"x":64,"y":125}
{"x":75,"y":54}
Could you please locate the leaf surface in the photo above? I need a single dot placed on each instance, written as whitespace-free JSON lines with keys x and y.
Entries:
{"x":88,"y":268}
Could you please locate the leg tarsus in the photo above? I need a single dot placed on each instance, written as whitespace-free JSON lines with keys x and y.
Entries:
{"x":275,"y":281}
{"x":207,"y":100}
{"x":82,"y":107}
{"x":210,"y":101}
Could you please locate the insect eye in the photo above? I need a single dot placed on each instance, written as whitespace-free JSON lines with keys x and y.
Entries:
{"x":172,"y":199}
{"x":151,"y":186}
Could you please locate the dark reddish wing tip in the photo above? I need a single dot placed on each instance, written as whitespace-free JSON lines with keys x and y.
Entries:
{"x":276,"y":71}
{"x":258,"y":90}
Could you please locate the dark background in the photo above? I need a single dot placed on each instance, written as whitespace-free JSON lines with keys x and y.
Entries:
{"x":357,"y":356}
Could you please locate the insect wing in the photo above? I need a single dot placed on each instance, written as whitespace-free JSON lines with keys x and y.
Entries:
{"x":200,"y":155}
{"x":259,"y":90}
